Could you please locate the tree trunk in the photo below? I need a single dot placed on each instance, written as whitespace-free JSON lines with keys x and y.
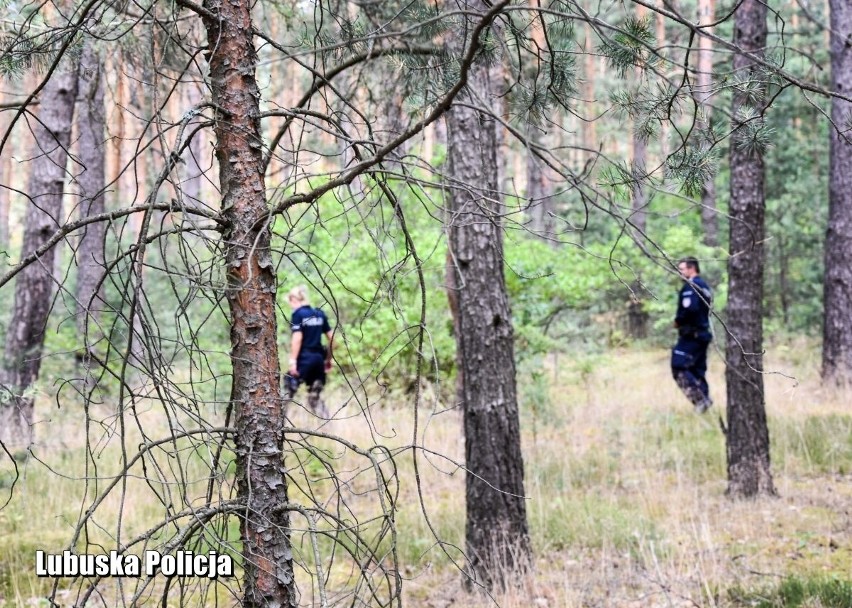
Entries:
{"x":837,"y":329}
{"x":453,"y":302}
{"x":704,"y":91}
{"x":255,"y":392}
{"x":119,"y":177}
{"x":5,"y":200}
{"x":638,"y":192}
{"x":496,"y":529}
{"x":783,"y":282}
{"x":589,"y":125}
{"x":191,"y":185}
{"x":662,"y":42}
{"x":5,"y":184}
{"x":33,"y":287}
{"x":540,"y":200}
{"x":748,"y":436}
{"x":92,"y":154}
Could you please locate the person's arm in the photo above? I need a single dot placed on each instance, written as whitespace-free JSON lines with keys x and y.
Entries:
{"x":295,"y":348}
{"x":330,"y":337}
{"x":678,"y":314}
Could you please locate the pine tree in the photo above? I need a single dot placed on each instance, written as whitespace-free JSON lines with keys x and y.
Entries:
{"x":747,"y":435}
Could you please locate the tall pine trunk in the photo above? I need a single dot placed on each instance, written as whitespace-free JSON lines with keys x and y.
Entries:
{"x":5,"y":183}
{"x":255,"y":393}
{"x":638,"y":192}
{"x":496,"y":533}
{"x":540,"y":202}
{"x":837,"y":330}
{"x":541,"y":207}
{"x":748,"y":436}
{"x":191,"y":186}
{"x":92,"y":155}
{"x":704,"y":91}
{"x":33,"y":286}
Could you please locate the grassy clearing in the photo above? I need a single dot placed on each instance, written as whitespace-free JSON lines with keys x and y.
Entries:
{"x":625,"y":484}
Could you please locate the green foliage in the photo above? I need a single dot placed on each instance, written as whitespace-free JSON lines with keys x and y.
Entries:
{"x":796,"y":216}
{"x":27,"y":44}
{"x":631,"y":45}
{"x":692,"y":165}
{"x":545,"y":285}
{"x":359,"y":270}
{"x":547,"y":76}
{"x":362,"y":274}
{"x":753,"y":135}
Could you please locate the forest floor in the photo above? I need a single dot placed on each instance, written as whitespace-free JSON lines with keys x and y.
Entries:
{"x":625,"y":485}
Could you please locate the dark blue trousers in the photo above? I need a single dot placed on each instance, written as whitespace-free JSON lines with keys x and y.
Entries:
{"x":689,"y":365}
{"x":311,"y":367}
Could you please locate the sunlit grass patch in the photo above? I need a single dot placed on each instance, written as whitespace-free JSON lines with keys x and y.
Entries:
{"x":797,"y":592}
{"x":817,"y":444}
{"x":559,"y":471}
{"x":418,"y":544}
{"x":589,"y":521}
{"x":685,"y":444}
{"x":17,"y":563}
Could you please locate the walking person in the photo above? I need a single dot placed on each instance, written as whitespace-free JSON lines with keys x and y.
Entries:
{"x":309,"y":359}
{"x":692,"y":320}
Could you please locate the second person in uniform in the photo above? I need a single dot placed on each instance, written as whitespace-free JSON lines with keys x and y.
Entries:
{"x":309,"y":359}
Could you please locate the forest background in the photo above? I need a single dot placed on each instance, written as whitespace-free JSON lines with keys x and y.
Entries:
{"x":612,"y":126}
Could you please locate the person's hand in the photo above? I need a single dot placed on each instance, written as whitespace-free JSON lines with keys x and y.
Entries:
{"x":328,"y":364}
{"x":293,"y":371}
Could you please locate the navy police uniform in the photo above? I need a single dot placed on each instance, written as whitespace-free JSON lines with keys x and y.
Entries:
{"x":310,"y":363}
{"x":689,"y":356}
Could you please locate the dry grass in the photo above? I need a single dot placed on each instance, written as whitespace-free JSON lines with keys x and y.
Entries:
{"x":625,"y":484}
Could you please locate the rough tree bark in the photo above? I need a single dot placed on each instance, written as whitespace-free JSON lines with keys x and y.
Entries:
{"x":703,"y":92}
{"x":837,"y":285}
{"x":496,"y":529}
{"x":33,"y":286}
{"x":748,"y":436}
{"x":255,"y":392}
{"x":91,"y":125}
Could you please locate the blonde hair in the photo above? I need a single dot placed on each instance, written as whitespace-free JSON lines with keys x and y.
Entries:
{"x":299,"y":293}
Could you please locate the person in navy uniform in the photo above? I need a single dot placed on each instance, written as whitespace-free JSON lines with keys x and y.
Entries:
{"x":689,"y":355}
{"x":309,"y":359}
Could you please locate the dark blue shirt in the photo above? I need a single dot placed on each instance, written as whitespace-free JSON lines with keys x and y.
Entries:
{"x":693,"y":306}
{"x":313,"y":323}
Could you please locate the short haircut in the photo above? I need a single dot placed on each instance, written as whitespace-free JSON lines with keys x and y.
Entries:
{"x":690,"y":262}
{"x":299,"y":293}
